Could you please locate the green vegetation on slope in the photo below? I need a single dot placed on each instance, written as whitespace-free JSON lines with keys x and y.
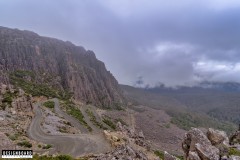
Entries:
{"x":47,"y":146}
{"x":234,"y":151}
{"x":94,"y":120}
{"x":49,"y":157}
{"x":186,"y":120}
{"x":26,"y":81}
{"x":25,"y":144}
{"x":76,"y":113}
{"x":8,"y":97}
{"x":177,"y":106}
{"x":160,"y":154}
{"x":108,"y":122}
{"x":49,"y":104}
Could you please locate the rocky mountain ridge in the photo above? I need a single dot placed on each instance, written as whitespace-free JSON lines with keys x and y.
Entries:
{"x":59,"y":65}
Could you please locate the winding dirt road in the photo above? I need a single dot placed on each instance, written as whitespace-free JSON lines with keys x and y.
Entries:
{"x":75,"y":145}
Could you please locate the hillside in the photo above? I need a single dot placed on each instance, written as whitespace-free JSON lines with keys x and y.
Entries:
{"x":54,"y":68}
{"x":218,"y":100}
{"x":190,"y":107}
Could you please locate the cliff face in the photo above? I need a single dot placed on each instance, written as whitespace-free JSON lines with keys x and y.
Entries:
{"x":58,"y":64}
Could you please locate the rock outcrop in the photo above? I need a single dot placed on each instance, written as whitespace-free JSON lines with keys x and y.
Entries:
{"x":197,"y":144}
{"x":123,"y":152}
{"x":127,"y":144}
{"x":212,"y":146}
{"x":217,"y":137}
{"x":235,"y":138}
{"x":58,"y":64}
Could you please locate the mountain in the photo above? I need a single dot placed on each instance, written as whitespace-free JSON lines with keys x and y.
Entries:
{"x":51,"y":67}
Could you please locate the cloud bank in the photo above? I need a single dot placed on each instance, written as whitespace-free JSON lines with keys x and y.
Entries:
{"x":173,"y":42}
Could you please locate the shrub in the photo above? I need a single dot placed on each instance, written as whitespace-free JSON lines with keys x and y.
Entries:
{"x":94,"y":120}
{"x":76,"y":113}
{"x":49,"y":104}
{"x":234,"y":151}
{"x":25,"y":144}
{"x":47,"y":146}
{"x":109,"y":123}
{"x":14,"y":137}
{"x":160,"y":154}
{"x":7,"y":98}
{"x":121,"y":121}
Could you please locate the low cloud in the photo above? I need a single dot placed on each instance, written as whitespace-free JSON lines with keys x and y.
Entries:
{"x":173,"y":42}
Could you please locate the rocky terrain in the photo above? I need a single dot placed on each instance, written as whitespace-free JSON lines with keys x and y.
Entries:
{"x":214,"y":144}
{"x":29,"y":60}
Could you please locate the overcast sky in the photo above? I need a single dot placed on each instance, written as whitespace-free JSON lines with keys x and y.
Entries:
{"x":157,"y":41}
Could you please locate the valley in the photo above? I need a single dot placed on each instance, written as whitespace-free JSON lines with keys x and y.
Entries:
{"x":58,"y":99}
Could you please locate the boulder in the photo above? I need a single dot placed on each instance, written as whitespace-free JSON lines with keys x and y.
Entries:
{"x":234,"y":157}
{"x":217,"y":137}
{"x":207,"y":152}
{"x":196,"y":141}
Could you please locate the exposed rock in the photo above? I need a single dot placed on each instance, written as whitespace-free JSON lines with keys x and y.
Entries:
{"x":6,"y":143}
{"x":217,"y":137}
{"x":115,"y":138}
{"x":123,"y":152}
{"x":220,"y":140}
{"x":58,"y":64}
{"x":138,"y":138}
{"x":129,"y":144}
{"x":196,"y":141}
{"x":207,"y":152}
{"x":168,"y":156}
{"x":234,"y":158}
{"x":235,"y":138}
{"x":3,"y":88}
{"x":193,"y":156}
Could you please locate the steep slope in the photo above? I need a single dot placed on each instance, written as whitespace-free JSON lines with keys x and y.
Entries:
{"x":56,"y":64}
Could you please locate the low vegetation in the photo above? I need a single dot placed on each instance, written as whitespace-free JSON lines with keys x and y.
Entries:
{"x":120,"y":120}
{"x":25,"y":144}
{"x":47,"y":146}
{"x":49,"y":157}
{"x":160,"y":154}
{"x":108,"y":122}
{"x":26,"y":81}
{"x":234,"y":151}
{"x":14,"y":137}
{"x":186,"y":120}
{"x":49,"y":104}
{"x":94,"y":120}
{"x":76,"y":113}
{"x":62,"y":129}
{"x":213,"y":110}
